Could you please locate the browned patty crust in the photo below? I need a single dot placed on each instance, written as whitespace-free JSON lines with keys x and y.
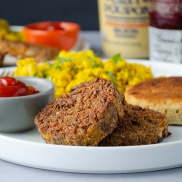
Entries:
{"x":139,"y":126}
{"x":161,"y":94}
{"x":84,"y":117}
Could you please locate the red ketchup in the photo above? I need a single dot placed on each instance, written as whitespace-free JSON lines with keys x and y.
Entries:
{"x":165,"y":31}
{"x":11,"y":87}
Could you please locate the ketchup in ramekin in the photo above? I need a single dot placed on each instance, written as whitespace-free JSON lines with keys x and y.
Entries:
{"x":11,"y":87}
{"x":165,"y":31}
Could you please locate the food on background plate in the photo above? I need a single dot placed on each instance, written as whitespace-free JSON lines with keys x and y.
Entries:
{"x":7,"y":34}
{"x":16,"y":44}
{"x":139,"y":126}
{"x":71,"y":68}
{"x":25,"y":50}
{"x":4,"y":24}
{"x":161,"y":94}
{"x":62,"y":35}
{"x":84,"y":117}
{"x":12,"y":87}
{"x":91,"y":112}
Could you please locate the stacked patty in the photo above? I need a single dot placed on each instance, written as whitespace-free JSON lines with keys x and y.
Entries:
{"x":96,"y":113}
{"x":139,"y":126}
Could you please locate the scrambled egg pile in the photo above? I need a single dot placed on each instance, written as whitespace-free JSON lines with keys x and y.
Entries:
{"x":7,"y":34}
{"x":72,"y":68}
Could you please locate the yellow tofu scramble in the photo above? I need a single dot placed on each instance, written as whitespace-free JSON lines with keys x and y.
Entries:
{"x":71,"y":68}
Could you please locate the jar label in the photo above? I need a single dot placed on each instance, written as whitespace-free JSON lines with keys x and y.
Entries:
{"x":124,"y":27}
{"x":165,"y":45}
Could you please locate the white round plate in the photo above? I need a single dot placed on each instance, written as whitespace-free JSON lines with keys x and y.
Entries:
{"x":30,"y":150}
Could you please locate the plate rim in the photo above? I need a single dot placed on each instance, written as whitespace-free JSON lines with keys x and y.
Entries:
{"x":123,"y":154}
{"x":3,"y":135}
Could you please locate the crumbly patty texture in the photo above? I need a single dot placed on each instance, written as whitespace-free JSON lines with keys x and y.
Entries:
{"x":160,"y":94}
{"x":84,"y":117}
{"x":139,"y":126}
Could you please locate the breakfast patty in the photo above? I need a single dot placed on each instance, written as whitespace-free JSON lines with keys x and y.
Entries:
{"x":84,"y":117}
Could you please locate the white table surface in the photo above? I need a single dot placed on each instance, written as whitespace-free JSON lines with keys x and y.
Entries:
{"x":10,"y":172}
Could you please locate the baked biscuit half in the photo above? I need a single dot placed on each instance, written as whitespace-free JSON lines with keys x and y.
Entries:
{"x":161,"y":94}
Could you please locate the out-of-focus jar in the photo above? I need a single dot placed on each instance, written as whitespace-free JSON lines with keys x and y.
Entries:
{"x":165,"y":32}
{"x":124,"y":27}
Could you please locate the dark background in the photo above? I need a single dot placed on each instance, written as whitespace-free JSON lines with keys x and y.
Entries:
{"x":21,"y":12}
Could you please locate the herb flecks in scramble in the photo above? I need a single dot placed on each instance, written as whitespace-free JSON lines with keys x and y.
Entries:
{"x":71,"y":68}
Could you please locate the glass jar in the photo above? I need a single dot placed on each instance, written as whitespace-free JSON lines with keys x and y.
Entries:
{"x":124,"y":27}
{"x":165,"y":31}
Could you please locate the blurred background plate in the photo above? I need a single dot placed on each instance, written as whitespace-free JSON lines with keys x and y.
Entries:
{"x":82,"y":44}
